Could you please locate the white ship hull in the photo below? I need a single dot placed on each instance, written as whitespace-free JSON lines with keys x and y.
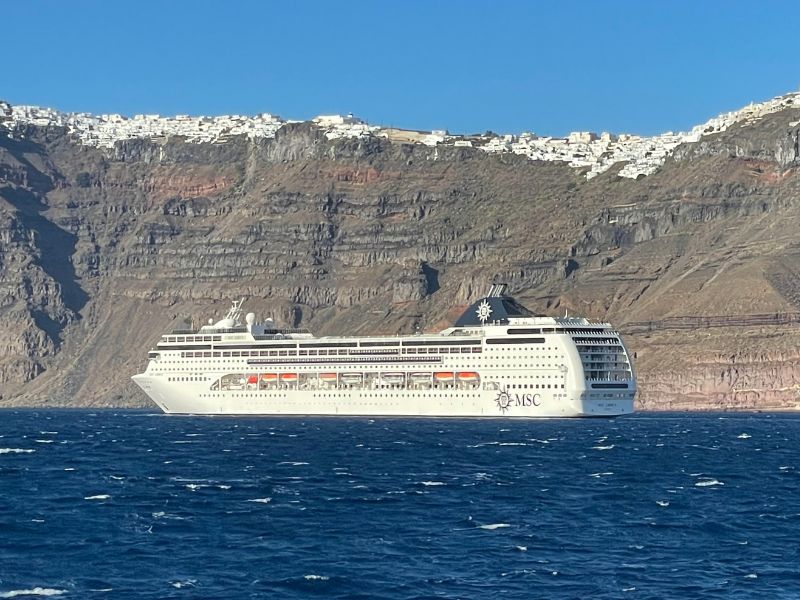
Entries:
{"x":185,"y":400}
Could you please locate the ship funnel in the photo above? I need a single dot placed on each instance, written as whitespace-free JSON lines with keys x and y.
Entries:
{"x":497,"y":290}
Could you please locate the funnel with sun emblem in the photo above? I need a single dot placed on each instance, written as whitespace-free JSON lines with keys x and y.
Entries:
{"x":495,"y":308}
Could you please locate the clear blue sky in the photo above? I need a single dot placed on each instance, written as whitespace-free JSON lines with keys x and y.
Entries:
{"x":548,"y":66}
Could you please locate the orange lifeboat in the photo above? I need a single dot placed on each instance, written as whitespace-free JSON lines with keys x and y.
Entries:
{"x":269,"y":377}
{"x":252,"y":379}
{"x":290,"y":377}
{"x":328,"y":377}
{"x":468,"y":376}
{"x":444,"y":376}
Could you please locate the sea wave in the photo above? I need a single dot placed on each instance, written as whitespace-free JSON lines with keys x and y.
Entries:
{"x":708,"y":483}
{"x":37,"y":591}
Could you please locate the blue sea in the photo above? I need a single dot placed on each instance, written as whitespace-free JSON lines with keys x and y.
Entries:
{"x":141,"y":505}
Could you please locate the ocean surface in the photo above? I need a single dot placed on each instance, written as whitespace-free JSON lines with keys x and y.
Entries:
{"x":141,"y":505}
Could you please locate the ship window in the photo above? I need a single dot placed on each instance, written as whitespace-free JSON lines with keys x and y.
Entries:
{"x":235,"y":353}
{"x":216,"y":338}
{"x":180,"y":339}
{"x":207,"y":354}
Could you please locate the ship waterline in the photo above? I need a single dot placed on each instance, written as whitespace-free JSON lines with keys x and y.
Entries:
{"x":499,"y":360}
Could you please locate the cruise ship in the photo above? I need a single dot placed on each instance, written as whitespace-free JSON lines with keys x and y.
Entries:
{"x":497,"y":360}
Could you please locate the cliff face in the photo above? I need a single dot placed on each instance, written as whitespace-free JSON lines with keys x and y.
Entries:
{"x":104,"y":250}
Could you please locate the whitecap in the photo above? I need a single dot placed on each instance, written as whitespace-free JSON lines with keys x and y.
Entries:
{"x":744,"y":436}
{"x":183,"y":584}
{"x":316,"y":577}
{"x":163,"y":515}
{"x":194,"y":486}
{"x":37,"y":591}
{"x":630,"y":589}
{"x":37,"y":520}
{"x":429,"y":483}
{"x":43,"y":441}
{"x":98,"y":497}
{"x":512,"y":444}
{"x":261,"y":500}
{"x":69,"y":469}
{"x":708,"y":483}
{"x":292,"y":463}
{"x":751,"y":576}
{"x":224,"y":487}
{"x":662,"y":502}
{"x":603,"y":474}
{"x":16,"y":451}
{"x":116,"y":478}
{"x":603,"y":447}
{"x":493,"y":526}
{"x":521,"y":548}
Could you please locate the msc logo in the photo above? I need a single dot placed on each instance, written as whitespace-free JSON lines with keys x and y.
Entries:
{"x":505,"y":400}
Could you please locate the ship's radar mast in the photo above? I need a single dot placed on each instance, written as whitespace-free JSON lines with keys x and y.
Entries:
{"x":235,"y":311}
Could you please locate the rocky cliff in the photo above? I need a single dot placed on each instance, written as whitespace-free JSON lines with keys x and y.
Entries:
{"x":103,"y":249}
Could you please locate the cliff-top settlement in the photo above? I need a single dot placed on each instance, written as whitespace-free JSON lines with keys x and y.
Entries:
{"x":597,"y":153}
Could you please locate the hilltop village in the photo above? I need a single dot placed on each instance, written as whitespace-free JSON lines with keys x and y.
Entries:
{"x":595,"y":153}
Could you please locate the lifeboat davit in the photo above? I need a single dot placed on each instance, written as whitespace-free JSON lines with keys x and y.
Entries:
{"x":444,"y":376}
{"x":469,"y":376}
{"x":328,"y":377}
{"x":289,"y":377}
{"x":420,"y":376}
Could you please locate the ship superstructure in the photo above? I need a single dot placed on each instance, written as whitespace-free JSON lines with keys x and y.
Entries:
{"x":498,"y":360}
